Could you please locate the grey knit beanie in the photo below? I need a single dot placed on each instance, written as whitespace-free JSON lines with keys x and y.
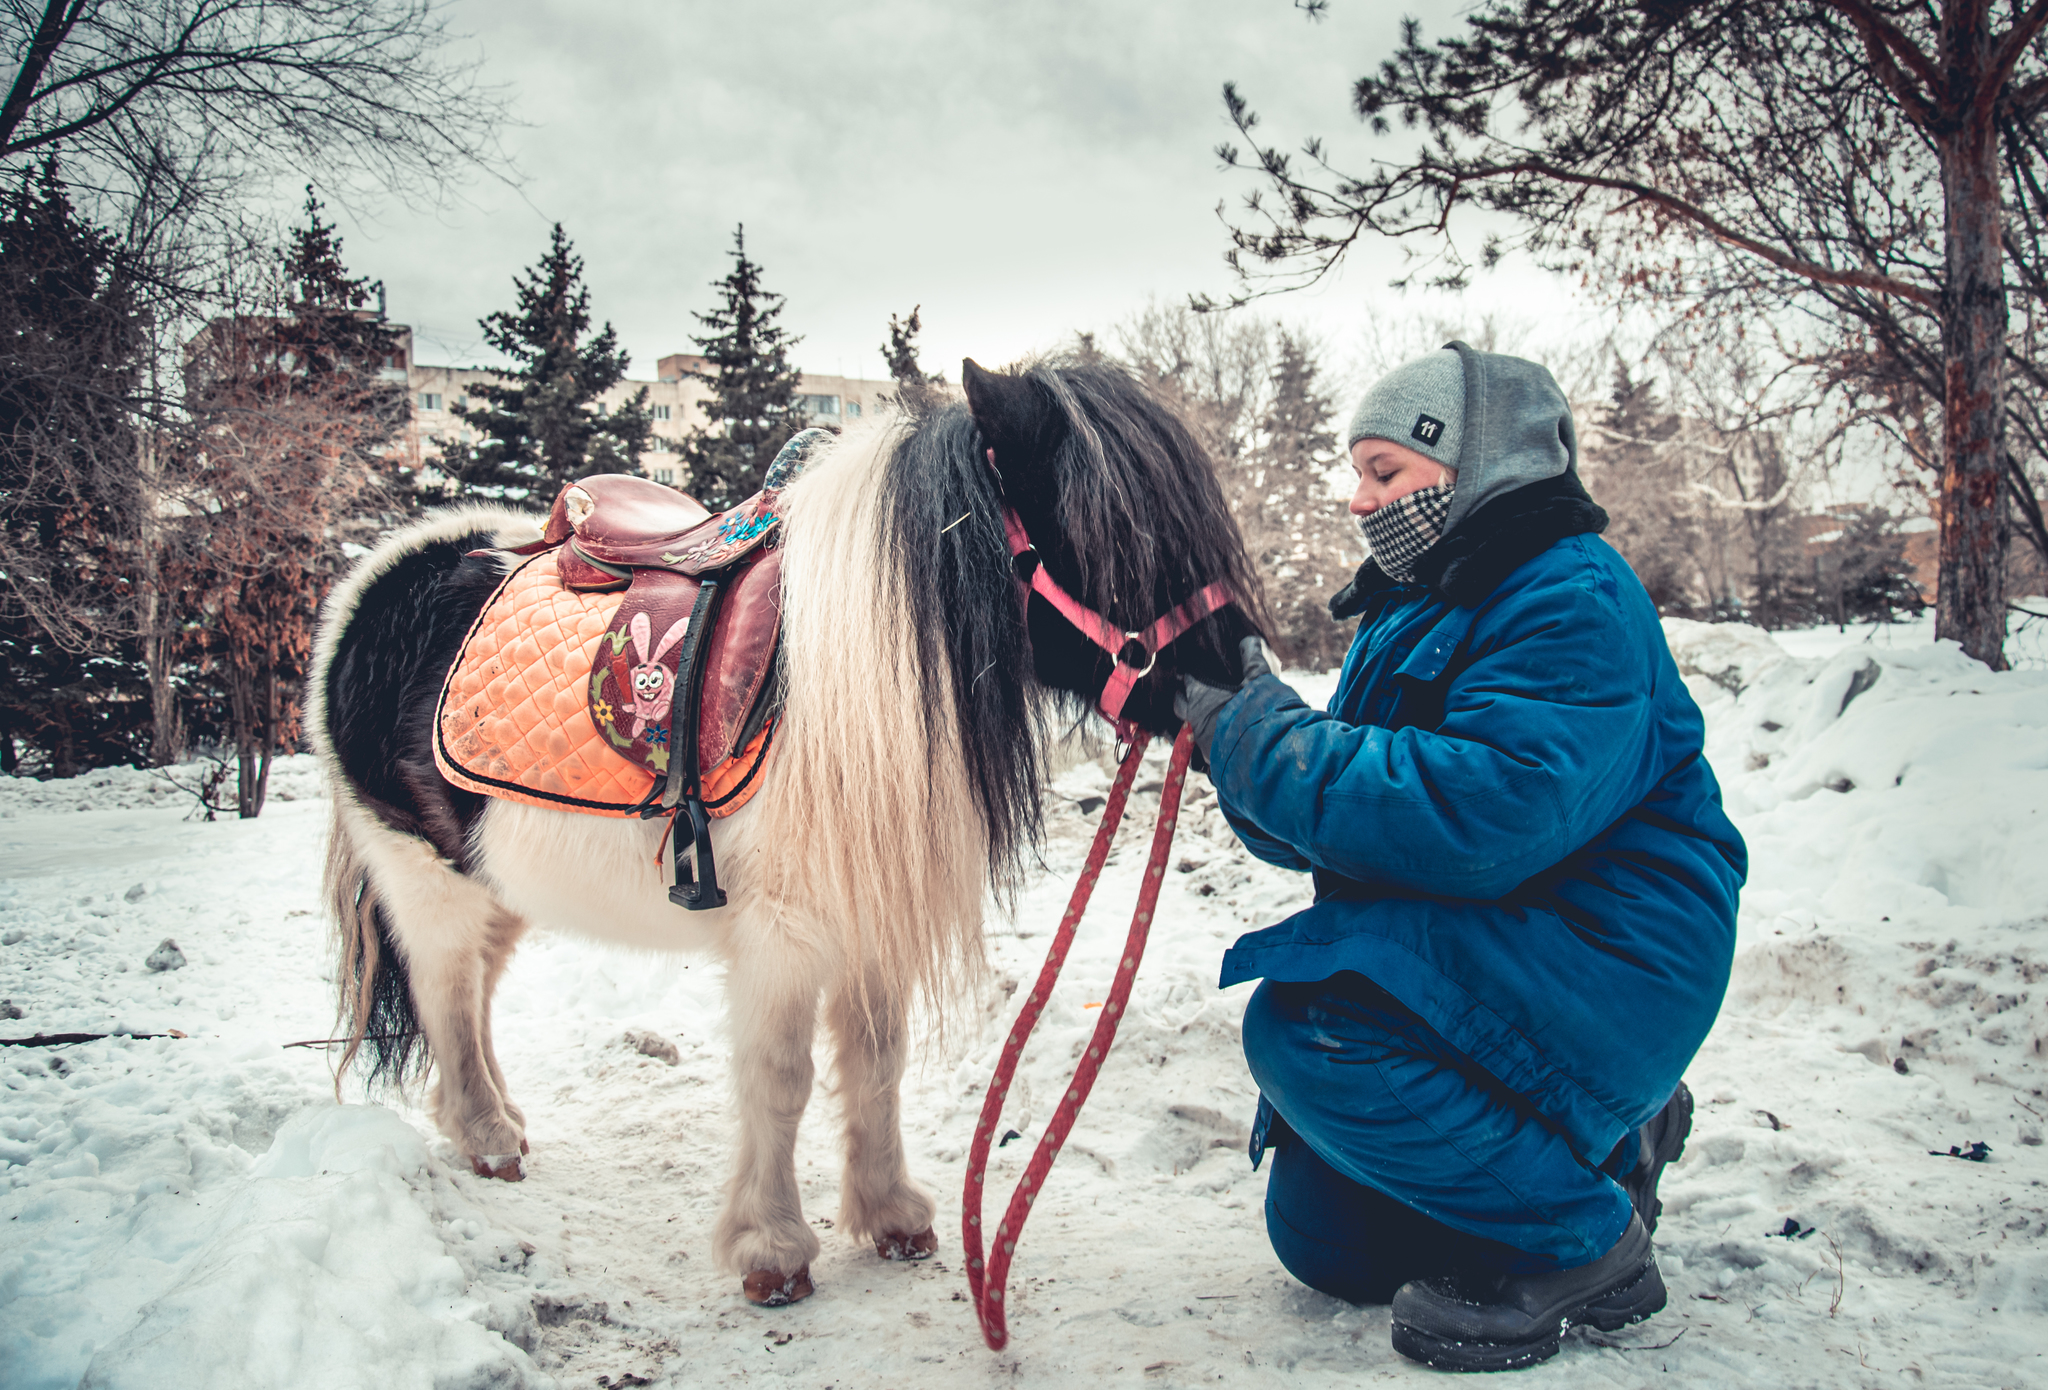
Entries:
{"x":1420,"y":404}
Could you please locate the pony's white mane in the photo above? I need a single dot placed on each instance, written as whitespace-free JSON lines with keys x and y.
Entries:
{"x":873,"y":831}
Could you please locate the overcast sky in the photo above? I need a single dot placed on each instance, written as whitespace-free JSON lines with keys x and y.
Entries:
{"x":1022,"y":171}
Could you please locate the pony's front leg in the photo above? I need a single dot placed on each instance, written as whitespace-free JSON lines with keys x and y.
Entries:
{"x":772,"y":1007}
{"x":877,"y":1197}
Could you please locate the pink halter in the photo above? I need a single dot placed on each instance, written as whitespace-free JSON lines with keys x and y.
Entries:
{"x":1104,"y":633}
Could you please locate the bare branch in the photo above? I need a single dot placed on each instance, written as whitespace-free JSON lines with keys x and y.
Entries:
{"x":345,"y":90}
{"x":1919,"y":94}
{"x":2010,"y":49}
{"x":1705,"y":221}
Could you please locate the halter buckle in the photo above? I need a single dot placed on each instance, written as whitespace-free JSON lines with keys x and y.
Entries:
{"x":1132,"y":639}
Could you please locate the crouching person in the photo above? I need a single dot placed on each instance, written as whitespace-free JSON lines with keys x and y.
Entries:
{"x":1470,"y":1048}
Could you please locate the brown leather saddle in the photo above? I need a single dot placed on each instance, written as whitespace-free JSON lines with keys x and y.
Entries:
{"x":684,"y":680}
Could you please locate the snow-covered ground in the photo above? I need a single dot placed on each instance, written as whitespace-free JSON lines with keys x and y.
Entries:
{"x":199,"y":1211}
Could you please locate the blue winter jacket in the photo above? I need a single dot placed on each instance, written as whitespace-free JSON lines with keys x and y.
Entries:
{"x":1510,"y":822}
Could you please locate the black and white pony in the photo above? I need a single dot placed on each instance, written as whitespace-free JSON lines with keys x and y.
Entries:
{"x":902,"y":787}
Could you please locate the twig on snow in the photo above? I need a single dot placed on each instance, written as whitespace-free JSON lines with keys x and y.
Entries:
{"x":1623,"y":1346}
{"x":1841,"y":1277}
{"x":67,"y":1039}
{"x":206,"y":791}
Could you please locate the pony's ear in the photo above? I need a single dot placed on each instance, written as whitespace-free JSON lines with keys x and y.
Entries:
{"x":1015,"y":416}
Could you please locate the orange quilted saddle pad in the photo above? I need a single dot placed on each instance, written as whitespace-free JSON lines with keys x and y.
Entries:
{"x":515,"y":722}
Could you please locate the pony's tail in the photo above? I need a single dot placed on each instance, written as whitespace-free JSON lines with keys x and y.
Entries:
{"x":374,"y":1006}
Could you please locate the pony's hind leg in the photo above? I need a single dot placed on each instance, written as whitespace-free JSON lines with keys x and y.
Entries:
{"x":502,"y":939}
{"x":878,"y":1199}
{"x":772,"y":1005}
{"x":456,"y":939}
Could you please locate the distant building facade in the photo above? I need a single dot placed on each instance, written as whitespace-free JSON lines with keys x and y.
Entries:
{"x":676,"y":399}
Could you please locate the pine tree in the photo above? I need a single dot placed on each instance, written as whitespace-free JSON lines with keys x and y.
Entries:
{"x":543,"y":427}
{"x":329,"y":330}
{"x":913,"y":383}
{"x":1294,"y":527}
{"x":753,"y":387}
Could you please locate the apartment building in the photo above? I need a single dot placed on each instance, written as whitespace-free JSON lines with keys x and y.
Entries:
{"x":676,"y":399}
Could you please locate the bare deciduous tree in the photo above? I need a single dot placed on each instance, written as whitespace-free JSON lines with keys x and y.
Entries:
{"x":289,"y":427}
{"x":205,"y":95}
{"x":1215,"y":368}
{"x":1255,"y":394}
{"x":171,"y":116}
{"x":1877,"y":169}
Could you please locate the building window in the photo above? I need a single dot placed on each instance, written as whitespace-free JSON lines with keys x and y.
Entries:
{"x":661,"y":412}
{"x":658,"y":445}
{"x":665,"y":475}
{"x":819,"y":405}
{"x":853,"y":409}
{"x":430,"y":400}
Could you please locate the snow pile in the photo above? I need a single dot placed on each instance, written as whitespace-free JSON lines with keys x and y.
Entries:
{"x":200,"y":1211}
{"x":197,"y":1211}
{"x":1893,"y":800}
{"x":338,"y":1258}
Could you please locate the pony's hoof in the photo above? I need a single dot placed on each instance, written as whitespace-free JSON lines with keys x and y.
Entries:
{"x":505,"y":1167}
{"x":770,"y":1288}
{"x":918,"y":1247}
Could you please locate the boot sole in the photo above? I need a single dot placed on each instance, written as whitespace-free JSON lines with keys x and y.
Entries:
{"x":1640,"y":1298}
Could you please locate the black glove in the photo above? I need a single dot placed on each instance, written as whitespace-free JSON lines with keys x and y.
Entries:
{"x":1200,"y":704}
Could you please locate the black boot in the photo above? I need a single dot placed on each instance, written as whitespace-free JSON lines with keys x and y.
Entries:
{"x":1502,"y":1322}
{"x":1660,"y":1141}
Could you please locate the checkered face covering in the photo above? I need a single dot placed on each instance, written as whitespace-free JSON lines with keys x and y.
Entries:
{"x":1400,"y":531}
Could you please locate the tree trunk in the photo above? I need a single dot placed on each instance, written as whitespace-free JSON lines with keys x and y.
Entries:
{"x":159,"y":623}
{"x":263,"y":780}
{"x":266,"y":740}
{"x":167,"y":741}
{"x":64,"y":749}
{"x":242,"y":712}
{"x":1970,"y":603}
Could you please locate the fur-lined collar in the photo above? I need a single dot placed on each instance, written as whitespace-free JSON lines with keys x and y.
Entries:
{"x":1487,"y":546}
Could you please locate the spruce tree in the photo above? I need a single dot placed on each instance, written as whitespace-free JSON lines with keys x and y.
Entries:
{"x":1638,"y":468}
{"x":913,"y":383}
{"x":543,"y":427}
{"x":329,"y":329}
{"x":1294,"y":526}
{"x":72,"y":346}
{"x":753,"y":387}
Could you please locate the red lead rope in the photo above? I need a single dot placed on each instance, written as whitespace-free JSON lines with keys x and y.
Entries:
{"x":987,"y":1286}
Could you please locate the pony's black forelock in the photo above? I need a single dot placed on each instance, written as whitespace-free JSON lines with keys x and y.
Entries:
{"x":1124,"y":508}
